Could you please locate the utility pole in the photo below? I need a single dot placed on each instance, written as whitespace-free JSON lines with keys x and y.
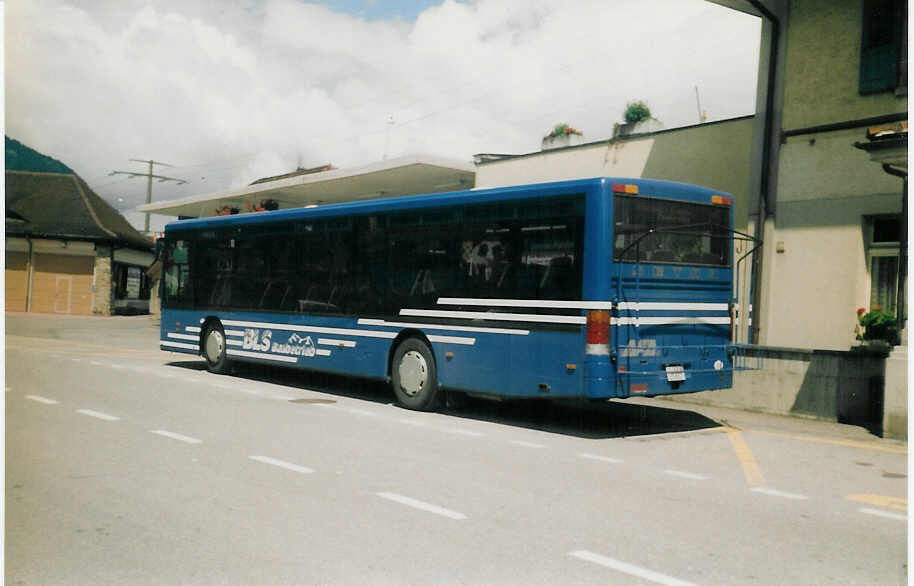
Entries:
{"x":149,"y":177}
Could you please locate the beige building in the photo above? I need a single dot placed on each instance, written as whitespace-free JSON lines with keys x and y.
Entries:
{"x":66,"y":250}
{"x":832,"y":216}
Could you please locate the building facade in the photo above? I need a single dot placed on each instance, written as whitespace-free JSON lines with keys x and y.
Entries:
{"x":67,"y":251}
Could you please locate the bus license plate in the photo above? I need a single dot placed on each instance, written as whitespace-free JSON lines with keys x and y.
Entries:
{"x":675,"y":373}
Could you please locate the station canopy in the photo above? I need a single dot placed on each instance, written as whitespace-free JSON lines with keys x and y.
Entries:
{"x":410,"y":175}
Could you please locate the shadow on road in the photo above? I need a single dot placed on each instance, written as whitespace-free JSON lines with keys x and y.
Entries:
{"x":578,"y":418}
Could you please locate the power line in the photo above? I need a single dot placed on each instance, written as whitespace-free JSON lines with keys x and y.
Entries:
{"x":149,"y":177}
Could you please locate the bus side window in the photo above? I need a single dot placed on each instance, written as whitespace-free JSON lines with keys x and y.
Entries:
{"x":177,"y":274}
{"x":551,"y":259}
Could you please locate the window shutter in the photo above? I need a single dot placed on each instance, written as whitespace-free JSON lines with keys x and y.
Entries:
{"x":881,"y":45}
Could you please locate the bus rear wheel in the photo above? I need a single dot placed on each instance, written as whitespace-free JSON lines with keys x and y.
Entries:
{"x":414,"y":376}
{"x":214,"y":349}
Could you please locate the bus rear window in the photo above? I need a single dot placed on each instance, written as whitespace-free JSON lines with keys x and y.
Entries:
{"x":671,"y":232}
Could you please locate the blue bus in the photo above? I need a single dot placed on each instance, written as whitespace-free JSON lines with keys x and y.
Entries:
{"x":596,"y":288}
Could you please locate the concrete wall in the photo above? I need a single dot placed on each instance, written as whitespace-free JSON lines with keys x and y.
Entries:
{"x":846,"y":387}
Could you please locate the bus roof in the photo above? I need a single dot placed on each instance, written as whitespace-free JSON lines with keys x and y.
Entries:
{"x":669,"y":189}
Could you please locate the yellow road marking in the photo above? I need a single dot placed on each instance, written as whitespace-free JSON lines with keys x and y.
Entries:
{"x":878,"y":500}
{"x":750,"y":467}
{"x":890,"y":448}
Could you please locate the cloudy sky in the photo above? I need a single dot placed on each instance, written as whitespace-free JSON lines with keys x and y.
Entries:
{"x":228,"y":91}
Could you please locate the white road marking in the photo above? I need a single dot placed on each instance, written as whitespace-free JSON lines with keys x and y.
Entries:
{"x":782,"y":494}
{"x":466,"y":432}
{"x":689,"y":475}
{"x":361,"y":412}
{"x":176,"y":436}
{"x":405,"y":500}
{"x":98,"y":415}
{"x":629,"y":569}
{"x":886,"y":514}
{"x":281,"y":464}
{"x":40,"y":399}
{"x":601,"y":458}
{"x":95,"y":363}
{"x":527,"y":444}
{"x":115,"y":366}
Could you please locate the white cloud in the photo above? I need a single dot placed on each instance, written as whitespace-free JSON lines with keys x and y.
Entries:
{"x":229,"y":92}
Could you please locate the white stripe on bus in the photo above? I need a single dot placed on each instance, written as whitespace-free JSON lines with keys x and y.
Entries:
{"x":312,"y":329}
{"x":541,"y":303}
{"x":528,"y":317}
{"x":406,"y":324}
{"x":452,"y":340}
{"x":184,"y":337}
{"x":234,"y":342}
{"x":651,"y":305}
{"x":192,"y":329}
{"x":321,"y":352}
{"x":573,"y":304}
{"x":668,"y":321}
{"x":234,"y":332}
{"x":179,"y":345}
{"x":333,"y":342}
{"x":262,"y":355}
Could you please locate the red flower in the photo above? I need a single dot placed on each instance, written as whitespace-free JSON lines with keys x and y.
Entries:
{"x":861,"y":311}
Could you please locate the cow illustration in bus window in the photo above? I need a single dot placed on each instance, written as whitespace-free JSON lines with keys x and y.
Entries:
{"x":486,"y":258}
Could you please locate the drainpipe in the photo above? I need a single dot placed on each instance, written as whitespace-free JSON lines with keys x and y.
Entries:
{"x":764,"y":193}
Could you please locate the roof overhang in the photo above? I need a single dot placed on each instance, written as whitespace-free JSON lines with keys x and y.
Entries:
{"x":410,"y":175}
{"x":755,"y":7}
{"x":887,"y":144}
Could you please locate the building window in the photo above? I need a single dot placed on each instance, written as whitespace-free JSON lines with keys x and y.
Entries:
{"x":883,"y":60}
{"x":882,"y":259}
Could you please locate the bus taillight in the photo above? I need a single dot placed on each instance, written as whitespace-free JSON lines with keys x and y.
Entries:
{"x":598,"y":332}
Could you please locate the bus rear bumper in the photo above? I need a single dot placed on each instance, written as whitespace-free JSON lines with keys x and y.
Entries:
{"x":603,"y":381}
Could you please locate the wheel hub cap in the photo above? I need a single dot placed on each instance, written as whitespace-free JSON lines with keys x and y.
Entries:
{"x":413,"y":372}
{"x":215,"y":344}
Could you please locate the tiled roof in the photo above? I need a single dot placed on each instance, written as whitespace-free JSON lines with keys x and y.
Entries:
{"x":61,"y":205}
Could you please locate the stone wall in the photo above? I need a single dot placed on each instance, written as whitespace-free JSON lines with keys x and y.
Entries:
{"x":102,"y":287}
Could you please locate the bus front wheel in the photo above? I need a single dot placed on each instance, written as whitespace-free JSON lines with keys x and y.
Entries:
{"x":414,"y":375}
{"x":214,"y":349}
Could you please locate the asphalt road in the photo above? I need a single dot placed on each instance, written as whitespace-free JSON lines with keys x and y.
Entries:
{"x":126,"y":465}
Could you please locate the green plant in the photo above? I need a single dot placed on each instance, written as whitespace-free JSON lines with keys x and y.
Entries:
{"x":877,"y":324}
{"x":561,"y":130}
{"x":636,"y":112}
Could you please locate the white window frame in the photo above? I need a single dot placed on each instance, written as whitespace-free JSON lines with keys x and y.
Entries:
{"x":879,"y":250}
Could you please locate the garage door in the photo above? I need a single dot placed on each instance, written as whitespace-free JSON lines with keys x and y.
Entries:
{"x":16,"y":280}
{"x":62,"y":284}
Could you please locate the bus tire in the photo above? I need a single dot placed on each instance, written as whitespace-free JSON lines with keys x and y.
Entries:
{"x":213,"y":349}
{"x":414,"y":376}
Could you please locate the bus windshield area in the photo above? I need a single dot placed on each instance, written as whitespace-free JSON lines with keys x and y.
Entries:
{"x":671,"y":232}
